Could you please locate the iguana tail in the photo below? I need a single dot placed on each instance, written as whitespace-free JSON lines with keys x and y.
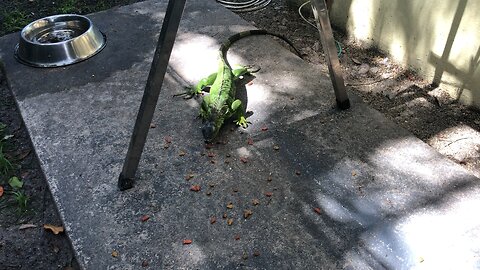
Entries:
{"x":227,"y":44}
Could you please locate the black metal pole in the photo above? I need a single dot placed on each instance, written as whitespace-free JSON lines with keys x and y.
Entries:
{"x":320,"y":12}
{"x":152,"y":91}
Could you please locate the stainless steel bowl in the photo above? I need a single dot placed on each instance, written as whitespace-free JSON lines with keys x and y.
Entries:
{"x":58,"y":41}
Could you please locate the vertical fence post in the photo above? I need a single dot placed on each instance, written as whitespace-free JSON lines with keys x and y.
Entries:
{"x":320,"y":12}
{"x":151,"y":93}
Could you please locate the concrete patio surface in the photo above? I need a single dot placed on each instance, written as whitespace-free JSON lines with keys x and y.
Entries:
{"x":305,"y":186}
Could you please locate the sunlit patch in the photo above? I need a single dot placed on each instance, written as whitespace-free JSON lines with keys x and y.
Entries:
{"x":441,"y":240}
{"x":243,"y":152}
{"x":303,"y":115}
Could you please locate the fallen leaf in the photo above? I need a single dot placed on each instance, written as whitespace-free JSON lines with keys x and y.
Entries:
{"x":247,"y":213}
{"x":276,"y":147}
{"x":354,"y":173}
{"x":243,"y":159}
{"x":211,"y":154}
{"x":209,"y":193}
{"x":245,"y":256}
{"x":24,"y":155}
{"x":230,"y":221}
{"x":27,"y":226}
{"x":250,"y":141}
{"x":264,"y":128}
{"x":250,"y":83}
{"x":298,"y":172}
{"x":152,"y":125}
{"x":187,"y":242}
{"x":317,"y":210}
{"x":255,"y":201}
{"x":224,"y":215}
{"x":144,"y":263}
{"x":256,"y":253}
{"x":213,"y":161}
{"x":228,"y":155}
{"x":189,"y":176}
{"x":269,"y":178}
{"x":235,"y":190}
{"x":227,"y":161}
{"x":195,"y":188}
{"x":54,"y":229}
{"x":115,"y":253}
{"x":212,"y":185}
{"x":213,"y":220}
{"x":1,"y":191}
{"x":237,"y":237}
{"x":182,"y":153}
{"x":356,"y":61}
{"x":14,"y":182}
{"x":230,"y":205}
{"x":268,"y":194}
{"x":145,"y":218}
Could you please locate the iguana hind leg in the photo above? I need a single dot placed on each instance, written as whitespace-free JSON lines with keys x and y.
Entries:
{"x":237,"y":109}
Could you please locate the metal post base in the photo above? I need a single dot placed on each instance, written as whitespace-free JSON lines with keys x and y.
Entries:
{"x":125,"y":183}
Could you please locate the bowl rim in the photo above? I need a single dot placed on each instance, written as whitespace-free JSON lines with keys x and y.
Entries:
{"x":22,"y":33}
{"x":63,"y":63}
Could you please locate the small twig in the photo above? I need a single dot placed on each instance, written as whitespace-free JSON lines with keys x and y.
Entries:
{"x":366,"y":83}
{"x":456,"y":141}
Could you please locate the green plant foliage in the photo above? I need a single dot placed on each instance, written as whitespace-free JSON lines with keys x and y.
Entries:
{"x":14,"y":20}
{"x":68,"y":6}
{"x":22,"y":200}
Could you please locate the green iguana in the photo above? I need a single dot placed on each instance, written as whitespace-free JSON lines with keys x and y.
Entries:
{"x":221,"y":104}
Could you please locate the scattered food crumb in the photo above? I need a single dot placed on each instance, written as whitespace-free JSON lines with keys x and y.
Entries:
{"x":187,"y":241}
{"x":247,"y":213}
{"x":230,"y":221}
{"x":195,"y":188}
{"x":144,"y":218}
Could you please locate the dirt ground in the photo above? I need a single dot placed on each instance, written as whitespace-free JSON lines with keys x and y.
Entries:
{"x":398,"y":93}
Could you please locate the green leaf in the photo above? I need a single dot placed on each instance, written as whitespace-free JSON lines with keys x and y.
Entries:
{"x":14,"y":182}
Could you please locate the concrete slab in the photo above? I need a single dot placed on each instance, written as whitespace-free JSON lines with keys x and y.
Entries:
{"x":327,"y":189}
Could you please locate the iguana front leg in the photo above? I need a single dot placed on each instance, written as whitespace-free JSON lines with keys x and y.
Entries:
{"x":237,"y":110}
{"x":204,"y":84}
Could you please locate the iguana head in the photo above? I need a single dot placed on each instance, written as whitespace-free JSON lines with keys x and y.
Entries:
{"x":212,"y":126}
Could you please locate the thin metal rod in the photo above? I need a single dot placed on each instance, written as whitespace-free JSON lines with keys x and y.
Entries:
{"x":151,"y":93}
{"x":320,"y":12}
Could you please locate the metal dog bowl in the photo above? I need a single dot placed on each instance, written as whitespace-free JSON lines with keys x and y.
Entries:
{"x":58,"y":41}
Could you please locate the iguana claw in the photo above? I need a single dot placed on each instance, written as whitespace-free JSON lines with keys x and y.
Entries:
{"x":189,"y":93}
{"x":242,"y":121}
